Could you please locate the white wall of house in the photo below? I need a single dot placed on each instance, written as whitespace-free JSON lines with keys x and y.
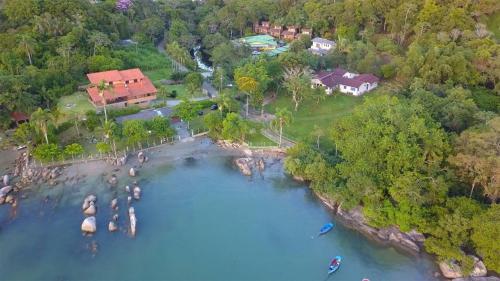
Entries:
{"x":365,"y":87}
{"x":321,"y":46}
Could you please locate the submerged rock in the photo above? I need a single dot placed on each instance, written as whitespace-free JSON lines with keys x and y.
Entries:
{"x":127,"y":189}
{"x":91,"y":210}
{"x":133,"y":220}
{"x":261,"y":164}
{"x":9,"y":199}
{"x":489,"y":278}
{"x":113,"y":180}
{"x":4,"y":191}
{"x":5,"y":180}
{"x":112,"y":226}
{"x":89,"y":225}
{"x":115,"y":217}
{"x":141,"y":157}
{"x":114,"y":203}
{"x":132,"y":172}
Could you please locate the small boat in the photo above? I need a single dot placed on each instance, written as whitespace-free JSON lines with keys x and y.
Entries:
{"x":334,"y":264}
{"x":327,"y":227}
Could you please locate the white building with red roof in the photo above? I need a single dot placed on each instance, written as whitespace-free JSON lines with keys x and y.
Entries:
{"x":124,"y":87}
{"x":346,"y":82}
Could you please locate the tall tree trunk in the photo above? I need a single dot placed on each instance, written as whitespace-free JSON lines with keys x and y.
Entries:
{"x":247,"y":106}
{"x":29,"y":55}
{"x":44,"y":130}
{"x":472,"y":189}
{"x":114,"y":148}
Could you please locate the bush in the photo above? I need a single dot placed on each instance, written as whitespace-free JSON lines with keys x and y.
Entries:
{"x":486,"y":100}
{"x":173,"y":94}
{"x":47,"y":152}
{"x":159,"y":104}
{"x":63,"y":127}
{"x":205,"y":103}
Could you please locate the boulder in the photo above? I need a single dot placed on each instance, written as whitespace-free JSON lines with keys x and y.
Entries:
{"x":129,"y":199}
{"x":450,"y":269}
{"x":141,"y":157}
{"x":9,"y":199}
{"x":54,"y":173}
{"x":114,"y":203}
{"x":91,"y":198}
{"x":132,"y":172}
{"x":261,"y":164}
{"x":416,"y":236}
{"x":112,"y":226}
{"x":133,"y":220}
{"x":91,"y":210}
{"x":5,"y":180}
{"x":89,"y":225}
{"x":137,"y":193}
{"x":244,"y":165}
{"x":115,"y":217}
{"x":127,"y":189}
{"x":5,"y":190}
{"x":113,"y":180}
{"x":479,"y":269}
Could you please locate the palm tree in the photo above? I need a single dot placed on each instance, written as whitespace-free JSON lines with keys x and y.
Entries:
{"x":102,"y":86}
{"x":109,"y":133}
{"x":283,"y":118}
{"x":27,"y":43}
{"x":42,"y":118}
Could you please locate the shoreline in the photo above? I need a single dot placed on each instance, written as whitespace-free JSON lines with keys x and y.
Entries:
{"x":205,"y":147}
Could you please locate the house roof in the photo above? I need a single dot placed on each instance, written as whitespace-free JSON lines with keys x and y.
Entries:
{"x":322,"y":41}
{"x":336,"y":77}
{"x":115,"y":75}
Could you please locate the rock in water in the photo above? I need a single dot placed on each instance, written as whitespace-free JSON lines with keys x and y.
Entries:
{"x":137,"y":193}
{"x":133,"y":220}
{"x":450,"y":269}
{"x":6,"y":180}
{"x":4,"y":191}
{"x":9,"y":199}
{"x":141,"y":157}
{"x":129,"y":199}
{"x":127,"y":189}
{"x":244,"y":165}
{"x":113,"y":180}
{"x":91,"y":210}
{"x":114,"y":203}
{"x":112,"y":226}
{"x":132,"y":172}
{"x":115,"y":217}
{"x":89,"y":225}
{"x":479,"y":269}
{"x":261,"y":164}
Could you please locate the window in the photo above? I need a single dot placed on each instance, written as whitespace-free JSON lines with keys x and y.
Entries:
{"x":353,"y":89}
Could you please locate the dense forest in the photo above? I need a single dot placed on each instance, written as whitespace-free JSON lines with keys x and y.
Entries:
{"x":425,"y":154}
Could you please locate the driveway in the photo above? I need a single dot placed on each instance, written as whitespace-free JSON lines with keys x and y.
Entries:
{"x":146,"y":114}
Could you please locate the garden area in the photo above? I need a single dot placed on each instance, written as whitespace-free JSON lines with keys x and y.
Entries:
{"x":74,"y":105}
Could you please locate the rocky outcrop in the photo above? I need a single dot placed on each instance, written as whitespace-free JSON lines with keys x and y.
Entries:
{"x":89,"y":225}
{"x":137,"y":192}
{"x":261,"y":164}
{"x":132,"y":172}
{"x":133,"y":220}
{"x":452,"y":270}
{"x":112,"y":226}
{"x":244,"y":164}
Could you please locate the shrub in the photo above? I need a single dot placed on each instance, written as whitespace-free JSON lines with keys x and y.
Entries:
{"x":123,"y":111}
{"x":173,"y":94}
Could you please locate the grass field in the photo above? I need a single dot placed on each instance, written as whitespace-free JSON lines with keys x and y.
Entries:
{"x":493,"y":24}
{"x":76,"y":103}
{"x":257,"y":139}
{"x":311,"y":113}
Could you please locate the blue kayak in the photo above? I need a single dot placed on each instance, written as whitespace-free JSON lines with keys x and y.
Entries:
{"x":327,"y":227}
{"x":334,"y":264}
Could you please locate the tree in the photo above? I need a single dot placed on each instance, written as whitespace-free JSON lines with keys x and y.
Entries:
{"x":298,"y":83}
{"x":42,"y":118}
{"x":73,"y":150}
{"x":103,"y":147}
{"x":213,"y":121}
{"x":249,"y":86}
{"x":393,"y":156}
{"x":187,"y":110}
{"x":234,"y":127}
{"x":135,"y":132}
{"x":24,"y":134}
{"x":99,"y":40}
{"x":110,"y":132}
{"x":160,"y":127}
{"x":47,"y":152}
{"x":477,"y":158}
{"x":318,"y":132}
{"x":104,"y":87}
{"x":318,"y":94}
{"x":253,"y":79}
{"x":162,"y":93}
{"x":27,"y":43}
{"x":486,"y":230}
{"x":193,"y":82}
{"x":283,"y":118}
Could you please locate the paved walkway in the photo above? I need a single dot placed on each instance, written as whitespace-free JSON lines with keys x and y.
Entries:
{"x":285,"y":143}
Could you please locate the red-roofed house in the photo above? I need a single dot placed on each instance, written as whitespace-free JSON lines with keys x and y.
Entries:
{"x":346,"y":82}
{"x":126,"y":87}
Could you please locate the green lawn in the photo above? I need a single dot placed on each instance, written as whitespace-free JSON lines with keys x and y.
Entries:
{"x":258,"y":139}
{"x":76,"y":103}
{"x":158,"y":74}
{"x":311,"y":113}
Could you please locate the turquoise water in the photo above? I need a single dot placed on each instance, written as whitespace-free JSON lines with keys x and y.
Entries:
{"x":197,"y":220}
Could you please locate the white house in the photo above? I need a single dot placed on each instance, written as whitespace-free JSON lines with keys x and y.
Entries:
{"x":346,"y":82}
{"x":322,"y":46}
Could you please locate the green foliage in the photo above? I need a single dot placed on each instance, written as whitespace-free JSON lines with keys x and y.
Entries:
{"x":47,"y":152}
{"x":117,"y":112}
{"x":187,"y":110}
{"x":486,"y":230}
{"x":103,"y":147}
{"x":213,"y":121}
{"x":91,"y":120}
{"x":234,"y":128}
{"x":160,"y":127}
{"x":73,"y":150}
{"x":134,"y":131}
{"x":102,"y":63}
{"x":193,"y":82}
{"x":24,"y":134}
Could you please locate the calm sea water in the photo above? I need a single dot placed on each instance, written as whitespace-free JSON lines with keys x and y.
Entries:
{"x":197,"y":220}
